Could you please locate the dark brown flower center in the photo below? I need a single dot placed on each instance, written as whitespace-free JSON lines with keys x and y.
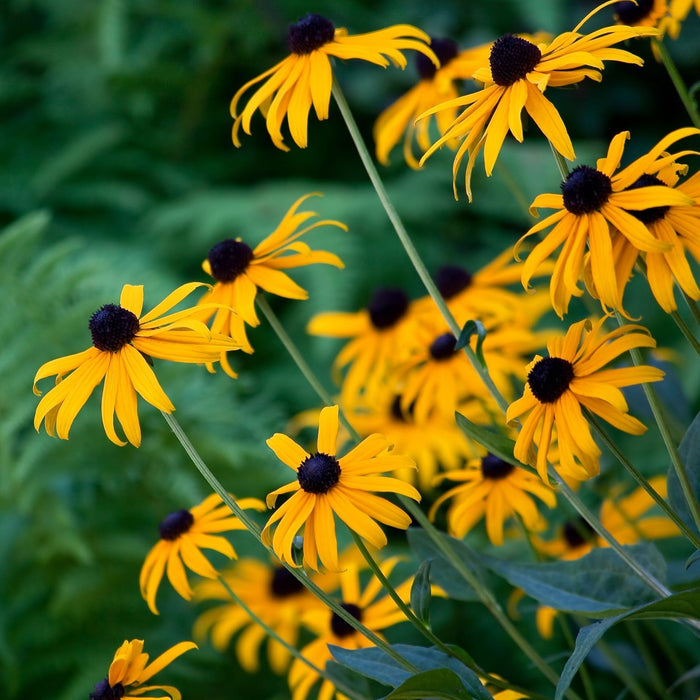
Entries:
{"x":284,"y":584}
{"x":318,"y":473}
{"x":175,"y":525}
{"x":340,"y":627}
{"x":229,"y":259}
{"x":511,"y":59}
{"x":585,"y":190}
{"x":451,"y":280}
{"x":494,"y":468}
{"x":310,"y":33}
{"x":633,"y":12}
{"x":550,"y":378}
{"x":387,"y":307}
{"x":577,"y":532}
{"x":443,"y":347}
{"x":104,"y":691}
{"x":112,"y":327}
{"x":444,"y":49}
{"x":648,"y":216}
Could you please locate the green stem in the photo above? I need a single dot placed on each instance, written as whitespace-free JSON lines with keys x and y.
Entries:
{"x":639,"y":478}
{"x":677,"y":81}
{"x":685,"y":330}
{"x":648,"y":657}
{"x":562,"y":165}
{"x":620,"y":669}
{"x":693,"y":306}
{"x":667,"y":437}
{"x":407,"y":243}
{"x":588,"y":686}
{"x":346,"y":690}
{"x":254,"y":529}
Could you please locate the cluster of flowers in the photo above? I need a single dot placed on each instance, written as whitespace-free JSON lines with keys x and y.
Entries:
{"x":404,"y":375}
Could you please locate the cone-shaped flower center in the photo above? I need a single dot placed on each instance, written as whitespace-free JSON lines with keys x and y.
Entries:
{"x":550,"y":378}
{"x":229,"y":259}
{"x":585,"y":190}
{"x":511,"y":59}
{"x":451,"y":280}
{"x":443,"y":347}
{"x":112,"y":327}
{"x":648,"y":216}
{"x":103,"y":691}
{"x":633,"y":12}
{"x":387,"y":307}
{"x":494,"y":468}
{"x":175,"y":524}
{"x":309,"y":34}
{"x":339,"y":626}
{"x":444,"y":49}
{"x":577,"y":532}
{"x":318,"y":473}
{"x":284,"y":584}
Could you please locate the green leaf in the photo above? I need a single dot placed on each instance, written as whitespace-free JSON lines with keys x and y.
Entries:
{"x":695,"y":556}
{"x":468,"y":330}
{"x":689,"y":451}
{"x":439,"y":683}
{"x":599,"y":583}
{"x":420,"y":592}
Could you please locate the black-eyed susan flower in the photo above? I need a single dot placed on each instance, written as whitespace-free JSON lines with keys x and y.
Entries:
{"x":240,"y":270}
{"x":494,"y":490}
{"x":572,"y":377}
{"x":515,"y":77}
{"x":436,"y":85}
{"x":594,"y":200}
{"x":130,"y":669}
{"x":183,"y":534}
{"x":272,"y":593}
{"x":381,"y":337}
{"x":328,"y":485}
{"x":373,"y":610}
{"x":305,"y":77}
{"x":123,"y":340}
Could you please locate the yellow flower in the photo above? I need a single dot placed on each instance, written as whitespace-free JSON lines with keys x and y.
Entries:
{"x":273,"y":594}
{"x":495,"y":490}
{"x":123,"y":341}
{"x":239,"y":270}
{"x":573,"y":377}
{"x":305,"y":77}
{"x":328,"y":485}
{"x":437,"y":85}
{"x":641,"y":13}
{"x":130,"y":668}
{"x":372,"y":610}
{"x":593,"y":201}
{"x":183,"y":534}
{"x":515,"y":78}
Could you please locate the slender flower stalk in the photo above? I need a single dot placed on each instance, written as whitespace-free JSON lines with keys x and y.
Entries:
{"x":686,"y":97}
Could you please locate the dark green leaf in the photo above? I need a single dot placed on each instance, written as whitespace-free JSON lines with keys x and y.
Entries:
{"x":695,"y":556}
{"x":420,"y":593}
{"x":689,"y":451}
{"x":439,"y":683}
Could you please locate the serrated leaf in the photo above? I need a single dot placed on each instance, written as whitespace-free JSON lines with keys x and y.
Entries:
{"x":420,"y":592}
{"x":689,"y":451}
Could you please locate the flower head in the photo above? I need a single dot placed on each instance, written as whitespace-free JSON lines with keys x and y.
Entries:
{"x":123,"y":341}
{"x":239,"y":270}
{"x":305,"y":77}
{"x":594,"y":201}
{"x":328,"y":485}
{"x":493,"y":489}
{"x":183,"y":534}
{"x":515,"y":77}
{"x":572,"y":377}
{"x":130,"y":668}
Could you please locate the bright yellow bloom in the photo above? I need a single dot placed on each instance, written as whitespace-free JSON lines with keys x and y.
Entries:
{"x":130,"y":668}
{"x":239,"y":270}
{"x":327,"y":485}
{"x":437,"y":85}
{"x":123,"y":340}
{"x":641,"y":13}
{"x":182,"y":535}
{"x":305,"y":77}
{"x":515,"y":78}
{"x":573,"y":377}
{"x":593,"y":201}
{"x":494,"y":490}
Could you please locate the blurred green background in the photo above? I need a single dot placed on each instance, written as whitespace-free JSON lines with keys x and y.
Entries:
{"x":117,"y":167}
